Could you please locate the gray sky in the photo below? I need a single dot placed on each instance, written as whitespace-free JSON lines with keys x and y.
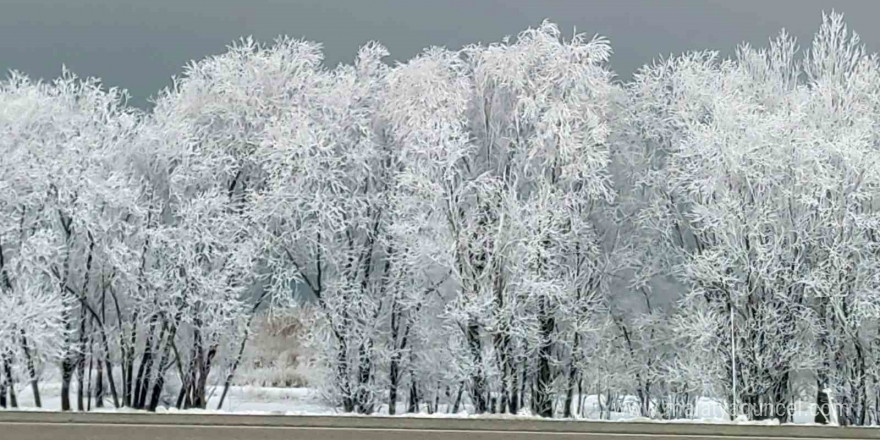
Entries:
{"x":140,"y":44}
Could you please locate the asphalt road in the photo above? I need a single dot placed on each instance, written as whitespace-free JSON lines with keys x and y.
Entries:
{"x":139,"y":426}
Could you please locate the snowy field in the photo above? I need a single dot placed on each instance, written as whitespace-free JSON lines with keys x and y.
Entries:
{"x":306,"y":401}
{"x":241,"y":399}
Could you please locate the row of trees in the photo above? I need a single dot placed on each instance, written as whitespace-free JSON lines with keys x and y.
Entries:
{"x":504,"y":227}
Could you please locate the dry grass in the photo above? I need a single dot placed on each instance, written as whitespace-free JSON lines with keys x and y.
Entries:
{"x":275,"y":356}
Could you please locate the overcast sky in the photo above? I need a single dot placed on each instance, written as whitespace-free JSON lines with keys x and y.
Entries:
{"x":140,"y":44}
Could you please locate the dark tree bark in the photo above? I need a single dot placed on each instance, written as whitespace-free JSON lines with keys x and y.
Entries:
{"x":99,"y":385}
{"x":247,"y":331}
{"x":413,"y":406}
{"x":81,"y":363}
{"x":145,"y":367}
{"x":126,"y":347}
{"x":13,"y":399}
{"x":4,"y":381}
{"x":572,"y":377}
{"x":164,"y":364}
{"x":203,"y":380}
{"x":149,"y":377}
{"x":478,"y":381}
{"x":32,"y":372}
{"x":89,"y":392}
{"x":394,"y":382}
{"x":544,"y":390}
{"x":67,"y":366}
{"x":363,"y":402}
{"x":457,"y":405}
{"x":823,"y":407}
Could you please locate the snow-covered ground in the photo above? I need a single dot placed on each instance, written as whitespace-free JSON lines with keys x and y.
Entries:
{"x":306,"y":401}
{"x":246,"y":399}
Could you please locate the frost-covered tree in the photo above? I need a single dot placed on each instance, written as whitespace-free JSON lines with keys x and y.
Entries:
{"x":539,"y":117}
{"x":62,"y":139}
{"x":496,"y":229}
{"x":200,"y":166}
{"x":508,"y":144}
{"x":423,"y":111}
{"x":326,"y":214}
{"x":759,"y":172}
{"x":843,"y":82}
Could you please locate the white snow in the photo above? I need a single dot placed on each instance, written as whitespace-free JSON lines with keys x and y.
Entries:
{"x":305,"y":401}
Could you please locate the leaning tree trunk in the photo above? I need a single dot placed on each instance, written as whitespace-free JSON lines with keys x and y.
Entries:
{"x":457,"y":405}
{"x":145,"y":367}
{"x":32,"y":371}
{"x":108,"y":366}
{"x":13,"y":400}
{"x":247,"y":331}
{"x":164,"y":363}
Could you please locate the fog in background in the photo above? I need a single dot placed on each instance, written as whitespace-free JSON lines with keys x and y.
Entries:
{"x":140,"y":44}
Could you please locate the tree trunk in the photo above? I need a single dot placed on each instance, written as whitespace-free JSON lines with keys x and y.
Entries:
{"x":823,"y":407}
{"x":199,"y":365}
{"x":478,"y":381}
{"x":10,"y":384}
{"x":544,"y":391}
{"x":127,"y":349}
{"x":523,"y":385}
{"x":581,"y":397}
{"x":457,"y":405}
{"x":501,"y":341}
{"x":99,"y":384}
{"x":157,"y":377}
{"x":189,"y":382}
{"x":228,"y":382}
{"x":106,"y":365}
{"x":413,"y":406}
{"x":436,"y":407}
{"x":394,"y":367}
{"x":32,"y":372}
{"x":363,"y":398}
{"x":110,"y":380}
{"x":393,"y":383}
{"x":89,"y":392}
{"x":781,"y":400}
{"x":66,"y":376}
{"x":822,"y":372}
{"x":145,"y":367}
{"x":164,"y":362}
{"x":515,"y":402}
{"x":572,"y":376}
{"x":181,"y":395}
{"x":5,"y":381}
{"x":81,"y":365}
{"x":502,"y":347}
{"x":3,"y":387}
